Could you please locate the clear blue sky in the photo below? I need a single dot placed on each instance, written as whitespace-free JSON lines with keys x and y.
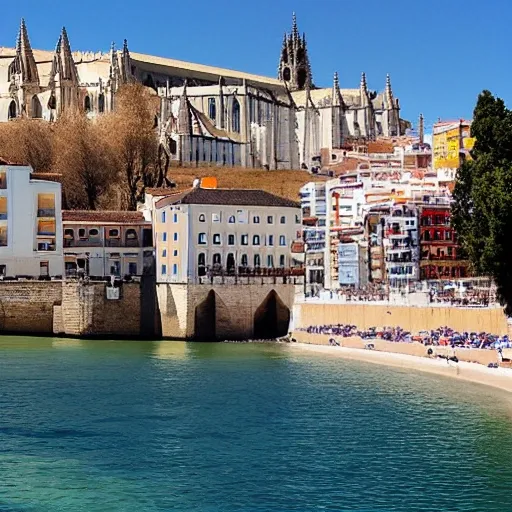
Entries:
{"x":440,"y":54}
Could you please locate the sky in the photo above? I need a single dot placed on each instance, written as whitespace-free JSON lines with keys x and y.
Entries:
{"x":440,"y":54}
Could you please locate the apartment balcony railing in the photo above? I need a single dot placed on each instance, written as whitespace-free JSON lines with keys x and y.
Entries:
{"x":46,"y":212}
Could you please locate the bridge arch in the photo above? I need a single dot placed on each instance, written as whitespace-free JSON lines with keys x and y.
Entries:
{"x":211,"y":318}
{"x":272,"y":318}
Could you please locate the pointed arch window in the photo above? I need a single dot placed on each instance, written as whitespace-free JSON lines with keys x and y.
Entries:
{"x":101,"y":103}
{"x":235,"y":121}
{"x":201,"y":264}
{"x":257,"y":260}
{"x":36,"y":108}
{"x":13,"y":110}
{"x":87,"y":104}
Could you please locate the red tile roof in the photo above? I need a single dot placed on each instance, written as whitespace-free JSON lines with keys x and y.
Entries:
{"x":103,"y":217}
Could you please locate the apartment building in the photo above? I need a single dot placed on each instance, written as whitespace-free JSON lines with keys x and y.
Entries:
{"x":204,"y":232}
{"x":107,"y":243}
{"x":30,"y":224}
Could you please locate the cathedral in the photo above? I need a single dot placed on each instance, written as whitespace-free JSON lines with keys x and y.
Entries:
{"x":207,"y":115}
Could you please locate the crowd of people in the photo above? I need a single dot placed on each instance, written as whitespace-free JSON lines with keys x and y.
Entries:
{"x":371,"y":292}
{"x":473,"y":297}
{"x":443,"y":336}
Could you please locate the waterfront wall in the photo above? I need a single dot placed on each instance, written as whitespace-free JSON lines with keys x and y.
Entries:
{"x":413,"y":319}
{"x":481,"y":356}
{"x":242,"y":311}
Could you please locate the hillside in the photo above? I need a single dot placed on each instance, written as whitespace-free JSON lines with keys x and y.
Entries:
{"x":282,"y":183}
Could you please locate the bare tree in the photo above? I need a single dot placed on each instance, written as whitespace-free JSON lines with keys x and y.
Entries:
{"x":28,"y":142}
{"x":86,"y":163}
{"x":130,"y":134}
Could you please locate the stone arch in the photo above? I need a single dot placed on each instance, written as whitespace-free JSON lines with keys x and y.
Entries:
{"x":211,"y":319}
{"x":101,"y":103}
{"x":13,"y":110}
{"x":272,"y":318}
{"x":36,"y":109}
{"x":87,"y":104}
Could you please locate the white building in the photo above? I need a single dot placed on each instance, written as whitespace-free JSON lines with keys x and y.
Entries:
{"x":208,"y":231}
{"x":30,"y":224}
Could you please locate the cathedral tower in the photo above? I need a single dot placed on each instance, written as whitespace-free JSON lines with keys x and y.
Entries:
{"x":294,"y":68}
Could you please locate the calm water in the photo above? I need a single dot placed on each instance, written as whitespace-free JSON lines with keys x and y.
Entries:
{"x":112,"y":426}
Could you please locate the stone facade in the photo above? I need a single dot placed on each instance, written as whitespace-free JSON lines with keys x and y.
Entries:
{"x":216,"y":311}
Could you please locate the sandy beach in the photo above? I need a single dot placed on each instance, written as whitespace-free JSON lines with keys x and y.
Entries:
{"x":500,"y":378}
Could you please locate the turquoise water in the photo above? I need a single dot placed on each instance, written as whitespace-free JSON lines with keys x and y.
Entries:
{"x":113,"y":426}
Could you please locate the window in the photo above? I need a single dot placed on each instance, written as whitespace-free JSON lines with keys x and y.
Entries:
{"x":201,"y":239}
{"x":163,"y":216}
{"x":215,"y":217}
{"x":81,"y":233}
{"x":245,"y":240}
{"x":256,"y":240}
{"x":13,"y":110}
{"x":256,"y":219}
{"x":235,"y":120}
{"x":270,"y":261}
{"x":175,"y":237}
{"x":283,"y":219}
{"x":3,"y":180}
{"x":282,"y":240}
{"x":164,"y":253}
{"x":175,"y":252}
{"x":101,"y":103}
{"x":212,"y":109}
{"x":282,"y":260}
{"x":132,"y":268}
{"x":231,"y":239}
{"x":113,"y":233}
{"x":257,"y":260}
{"x":217,"y":259}
{"x":69,"y":234}
{"x":164,"y":236}
{"x":175,"y":217}
{"x":44,"y":268}
{"x":231,"y":219}
{"x":216,"y":239}
{"x":270,"y":240}
{"x":175,"y":269}
{"x":94,"y":232}
{"x":201,"y":264}
{"x":297,"y":219}
{"x":244,"y":260}
{"x":242,"y":216}
{"x":202,"y":217}
{"x":164,"y":270}
{"x":230,"y":262}
{"x":87,"y":104}
{"x":270,"y":219}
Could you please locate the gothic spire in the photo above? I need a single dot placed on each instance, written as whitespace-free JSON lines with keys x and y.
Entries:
{"x":114,"y":63}
{"x":295,"y":30}
{"x":184,"y":121}
{"x":421,"y":129}
{"x":126,"y":63}
{"x":337,"y":98}
{"x":363,"y":90}
{"x":388,"y":94}
{"x":68,"y":69}
{"x":25,"y":61}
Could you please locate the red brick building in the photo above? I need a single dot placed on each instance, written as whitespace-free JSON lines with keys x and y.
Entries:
{"x":440,"y":256}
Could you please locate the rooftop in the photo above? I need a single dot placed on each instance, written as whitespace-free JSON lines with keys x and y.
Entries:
{"x":103,"y":217}
{"x":235,"y":197}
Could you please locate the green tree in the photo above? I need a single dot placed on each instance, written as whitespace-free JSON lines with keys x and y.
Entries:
{"x":482,"y":210}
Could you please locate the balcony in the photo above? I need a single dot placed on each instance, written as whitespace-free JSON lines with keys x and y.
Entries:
{"x":46,"y":212}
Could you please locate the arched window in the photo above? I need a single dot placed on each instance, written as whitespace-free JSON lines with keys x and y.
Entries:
{"x":87,"y":104}
{"x":231,"y":219}
{"x":217,"y":259}
{"x":282,"y":240}
{"x":257,"y":260}
{"x":270,"y":261}
{"x":201,"y":264}
{"x":230,"y":262}
{"x":244,"y":260}
{"x":131,"y":237}
{"x":283,"y":220}
{"x":101,"y":103}
{"x":256,"y":219}
{"x":212,"y":109}
{"x":13,"y":110}
{"x":235,"y":121}
{"x":52,"y":102}
{"x":36,"y":108}
{"x":256,"y":240}
{"x":281,"y":260}
{"x":202,"y":217}
{"x":286,"y":74}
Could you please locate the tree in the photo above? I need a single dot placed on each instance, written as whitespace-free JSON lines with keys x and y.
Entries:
{"x":28,"y":142}
{"x":83,"y":159}
{"x":482,"y":210}
{"x":130,"y":134}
